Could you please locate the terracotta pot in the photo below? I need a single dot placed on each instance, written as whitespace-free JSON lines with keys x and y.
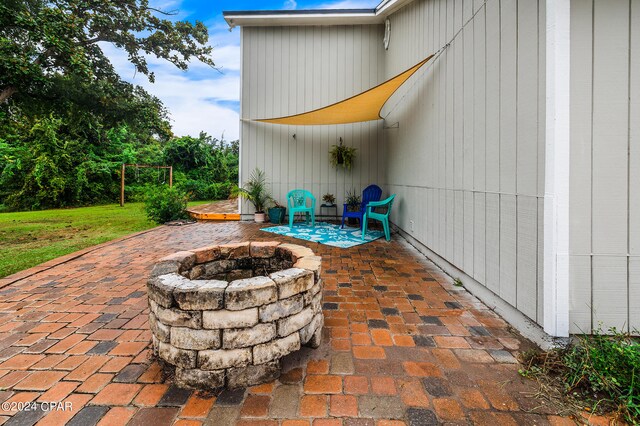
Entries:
{"x":259,"y":217}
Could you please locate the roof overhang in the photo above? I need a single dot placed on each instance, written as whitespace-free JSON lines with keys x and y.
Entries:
{"x":277,"y":18}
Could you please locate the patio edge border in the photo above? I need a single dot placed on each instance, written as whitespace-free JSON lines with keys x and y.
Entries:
{"x":525,"y":326}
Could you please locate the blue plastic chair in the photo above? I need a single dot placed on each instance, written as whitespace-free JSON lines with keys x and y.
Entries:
{"x":382,"y":217}
{"x":370,"y":193}
{"x":297,"y":203}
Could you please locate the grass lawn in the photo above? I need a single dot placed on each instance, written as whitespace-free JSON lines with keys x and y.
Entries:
{"x":30,"y":238}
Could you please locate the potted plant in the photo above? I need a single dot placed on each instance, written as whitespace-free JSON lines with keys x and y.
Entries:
{"x":340,"y":155}
{"x":329,"y":200}
{"x":256,"y":192}
{"x":353,"y":202}
{"x":277,"y":212}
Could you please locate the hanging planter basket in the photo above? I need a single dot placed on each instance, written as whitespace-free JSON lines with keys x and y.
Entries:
{"x":340,"y":155}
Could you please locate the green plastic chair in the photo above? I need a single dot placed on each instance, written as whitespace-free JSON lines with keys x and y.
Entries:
{"x":382,"y":217}
{"x":297,"y":203}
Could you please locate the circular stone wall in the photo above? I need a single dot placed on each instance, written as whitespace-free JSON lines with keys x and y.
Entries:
{"x":225,"y":315}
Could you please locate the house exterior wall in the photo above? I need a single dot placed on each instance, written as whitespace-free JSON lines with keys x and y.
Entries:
{"x":467,"y":160}
{"x":605,"y":165}
{"x":288,"y":70}
{"x":467,"y":157}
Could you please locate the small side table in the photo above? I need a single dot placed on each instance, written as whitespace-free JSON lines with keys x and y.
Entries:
{"x":326,"y":206}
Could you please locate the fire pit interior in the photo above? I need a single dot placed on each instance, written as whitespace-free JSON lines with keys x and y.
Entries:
{"x":225,"y":315}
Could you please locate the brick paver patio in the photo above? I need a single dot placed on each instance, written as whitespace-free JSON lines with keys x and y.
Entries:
{"x":401,"y":345}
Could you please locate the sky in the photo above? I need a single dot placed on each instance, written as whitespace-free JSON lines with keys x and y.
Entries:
{"x":202,"y":98}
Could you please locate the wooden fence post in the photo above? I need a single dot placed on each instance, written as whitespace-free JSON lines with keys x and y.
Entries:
{"x":122,"y":186}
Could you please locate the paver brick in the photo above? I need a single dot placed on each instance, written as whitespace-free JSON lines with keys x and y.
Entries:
{"x":413,"y":393}
{"x":20,"y":362}
{"x":383,"y":386}
{"x":323,"y":384}
{"x":255,"y":406}
{"x":313,"y":406}
{"x":87,"y":368}
{"x":117,"y":416}
{"x":387,"y":407}
{"x":115,"y":364}
{"x":58,"y":392}
{"x":71,"y":363}
{"x":40,"y":380}
{"x":317,"y":367}
{"x":90,"y":415}
{"x":175,"y":396}
{"x":157,"y":416}
{"x":424,"y":417}
{"x":128,"y":348}
{"x":448,"y":409}
{"x":116,"y":394}
{"x":95,"y":383}
{"x":197,"y":406}
{"x":368,"y":352}
{"x":150,"y":394}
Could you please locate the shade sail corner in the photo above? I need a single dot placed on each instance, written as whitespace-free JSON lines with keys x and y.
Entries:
{"x":365,"y":106}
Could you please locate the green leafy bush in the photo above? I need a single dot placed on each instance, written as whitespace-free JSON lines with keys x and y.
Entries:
{"x":219,"y":190}
{"x":165,"y":204}
{"x":201,"y":190}
{"x":599,"y":370}
{"x":195,"y":189}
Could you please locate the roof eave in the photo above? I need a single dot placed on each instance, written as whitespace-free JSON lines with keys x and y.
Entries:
{"x":266,"y":18}
{"x":312,"y":17}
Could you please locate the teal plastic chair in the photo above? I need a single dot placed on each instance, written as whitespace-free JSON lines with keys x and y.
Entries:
{"x":382,"y":217}
{"x":297,"y":203}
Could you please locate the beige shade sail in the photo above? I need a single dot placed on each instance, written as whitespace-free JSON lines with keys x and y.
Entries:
{"x":365,"y":106}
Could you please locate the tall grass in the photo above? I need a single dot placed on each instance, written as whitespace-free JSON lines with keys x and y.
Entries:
{"x":599,"y":370}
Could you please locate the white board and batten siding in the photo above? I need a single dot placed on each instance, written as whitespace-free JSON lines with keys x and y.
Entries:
{"x":288,"y":70}
{"x":467,"y":156}
{"x":605,"y":165}
{"x":467,"y":159}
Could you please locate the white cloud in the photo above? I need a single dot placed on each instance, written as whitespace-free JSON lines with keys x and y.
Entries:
{"x":191,"y":115}
{"x":227,"y":57}
{"x":290,"y":4}
{"x":197,"y":100}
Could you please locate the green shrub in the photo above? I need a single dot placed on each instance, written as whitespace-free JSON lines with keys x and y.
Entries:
{"x":195,"y":189}
{"x":201,"y":190}
{"x":600,"y":370}
{"x":219,"y":190}
{"x":138,"y":193}
{"x":165,"y":204}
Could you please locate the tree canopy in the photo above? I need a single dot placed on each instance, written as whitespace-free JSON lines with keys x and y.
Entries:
{"x":40,"y":39}
{"x":68,"y":121}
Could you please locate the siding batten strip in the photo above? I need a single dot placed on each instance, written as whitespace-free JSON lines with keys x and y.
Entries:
{"x":557,"y":161}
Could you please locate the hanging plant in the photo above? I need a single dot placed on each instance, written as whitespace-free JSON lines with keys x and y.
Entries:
{"x":340,"y":155}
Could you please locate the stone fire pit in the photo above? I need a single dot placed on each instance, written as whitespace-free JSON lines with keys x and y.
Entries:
{"x":225,"y":315}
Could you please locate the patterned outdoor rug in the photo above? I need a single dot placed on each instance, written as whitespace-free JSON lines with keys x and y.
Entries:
{"x":326,"y":233}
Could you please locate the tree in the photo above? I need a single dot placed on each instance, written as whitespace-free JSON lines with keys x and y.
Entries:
{"x":42,"y":38}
